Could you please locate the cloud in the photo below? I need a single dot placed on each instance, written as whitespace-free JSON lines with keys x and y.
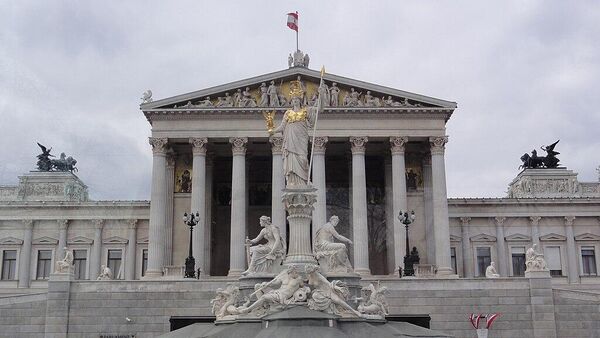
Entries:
{"x":523,"y":73}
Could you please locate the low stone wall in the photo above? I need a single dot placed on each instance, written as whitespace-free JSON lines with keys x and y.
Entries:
{"x":529,"y":307}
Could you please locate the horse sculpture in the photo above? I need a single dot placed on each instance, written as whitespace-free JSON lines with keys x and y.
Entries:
{"x":534,"y":161}
{"x":64,"y":163}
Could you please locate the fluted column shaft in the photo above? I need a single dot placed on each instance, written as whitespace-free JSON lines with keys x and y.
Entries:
{"x":238,"y":206}
{"x":399,"y":198}
{"x":428,"y":206}
{"x":277,"y":185}
{"x":389,"y":217}
{"x":359,"y":205}
{"x":535,"y":230}
{"x":63,"y":225}
{"x":170,"y":181}
{"x":131,"y":252}
{"x":466,"y":248}
{"x":198,"y":203}
{"x":501,"y":247}
{"x":441,"y":226}
{"x":96,"y":249}
{"x":319,"y":216}
{"x":205,"y":269}
{"x":158,"y":206}
{"x":25,"y":255}
{"x":571,"y":250}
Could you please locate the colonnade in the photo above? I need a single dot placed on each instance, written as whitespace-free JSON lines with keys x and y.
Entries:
{"x":160,"y":177}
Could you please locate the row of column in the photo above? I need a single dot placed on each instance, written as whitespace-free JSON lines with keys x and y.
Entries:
{"x":503,"y":256}
{"x":160,"y":177}
{"x":95,"y":254}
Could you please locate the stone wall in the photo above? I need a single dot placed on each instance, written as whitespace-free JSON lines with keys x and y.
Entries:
{"x":577,"y":313}
{"x":23,"y":316}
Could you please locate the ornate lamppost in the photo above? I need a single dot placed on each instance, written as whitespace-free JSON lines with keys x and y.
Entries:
{"x":407,"y":219}
{"x":190,"y":220}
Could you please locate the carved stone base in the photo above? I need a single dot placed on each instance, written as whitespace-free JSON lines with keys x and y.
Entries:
{"x":51,"y":186}
{"x":537,"y":274}
{"x":299,"y":201}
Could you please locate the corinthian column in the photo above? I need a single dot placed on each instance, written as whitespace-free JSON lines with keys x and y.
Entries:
{"x":238,"y":206}
{"x":571,"y":251}
{"x":359,"y":205}
{"x":502,"y":257}
{"x":535,"y":230}
{"x":441,"y":226}
{"x":96,"y":249}
{"x":131,"y":244}
{"x":63,"y":225}
{"x":466,"y":248}
{"x":25,"y":255}
{"x":168,"y":255}
{"x":199,"y":197}
{"x":158,"y":207}
{"x":277,"y":185}
{"x":399,"y":197}
{"x":319,"y":216}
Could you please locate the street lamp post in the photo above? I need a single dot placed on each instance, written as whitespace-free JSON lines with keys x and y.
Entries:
{"x":190,"y":220}
{"x":407,"y":219}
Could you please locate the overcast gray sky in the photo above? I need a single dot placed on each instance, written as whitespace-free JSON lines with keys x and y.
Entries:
{"x":524,"y":73}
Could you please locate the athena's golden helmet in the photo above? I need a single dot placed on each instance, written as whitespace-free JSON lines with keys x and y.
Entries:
{"x":296,"y":89}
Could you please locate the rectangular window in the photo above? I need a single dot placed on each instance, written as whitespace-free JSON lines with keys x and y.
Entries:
{"x":453,"y":259}
{"x":9,"y":264}
{"x":114,"y":262}
{"x":484,"y":259}
{"x":552,"y":256}
{"x":144,"y":261}
{"x":518,"y":261}
{"x":588,"y":260}
{"x":44,"y":264}
{"x":79,"y":263}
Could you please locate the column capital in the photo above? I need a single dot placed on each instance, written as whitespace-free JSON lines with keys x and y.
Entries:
{"x":63,"y":224}
{"x":320,"y":143}
{"x":132,"y":223}
{"x":198,"y":145}
{"x":569,"y":220}
{"x":397,"y":144}
{"x":238,"y":145}
{"x":98,"y":223}
{"x":276,"y":144}
{"x":535,"y":220}
{"x":499,"y":220}
{"x":358,"y":144}
{"x":27,"y":224}
{"x":438,"y":144}
{"x":159,"y":145}
{"x":465,"y":221}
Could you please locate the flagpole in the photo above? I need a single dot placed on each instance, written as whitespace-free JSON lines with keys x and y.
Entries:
{"x":297,"y":29}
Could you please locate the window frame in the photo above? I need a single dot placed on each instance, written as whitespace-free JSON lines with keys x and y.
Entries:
{"x":36,"y":261}
{"x":581,"y":247}
{"x":87,"y":262}
{"x":562,"y":259}
{"x":510,"y":252}
{"x":16,"y":270}
{"x":481,"y":274}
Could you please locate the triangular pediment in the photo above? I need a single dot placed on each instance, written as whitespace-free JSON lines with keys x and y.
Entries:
{"x":45,"y":240}
{"x":10,"y":241}
{"x":483,"y":238}
{"x":553,"y":237}
{"x":143,"y":240}
{"x":197,"y":100}
{"x":454,"y":238}
{"x":517,"y":238}
{"x":587,"y":237}
{"x":80,"y":240}
{"x":115,"y":240}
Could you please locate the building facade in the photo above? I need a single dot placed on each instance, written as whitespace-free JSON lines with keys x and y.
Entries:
{"x":376,"y":152}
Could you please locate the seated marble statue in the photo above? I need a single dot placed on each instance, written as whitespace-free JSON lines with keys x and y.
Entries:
{"x":275,"y":294}
{"x":373,"y":302}
{"x":105,"y":273}
{"x":490,"y":271}
{"x":66,"y":264}
{"x":224,"y":303}
{"x":534,"y":261}
{"x":328,"y":296}
{"x":332,"y":256}
{"x":264,"y":256}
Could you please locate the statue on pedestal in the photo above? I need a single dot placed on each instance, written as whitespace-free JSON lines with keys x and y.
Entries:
{"x":490,"y":271}
{"x":534,"y":261}
{"x":328,"y":296}
{"x":335,"y":254}
{"x":294,"y":127}
{"x":66,"y":264}
{"x":105,"y":273}
{"x":262,"y":256}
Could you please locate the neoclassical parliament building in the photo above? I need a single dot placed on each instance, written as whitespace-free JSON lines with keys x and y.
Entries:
{"x":376,"y":151}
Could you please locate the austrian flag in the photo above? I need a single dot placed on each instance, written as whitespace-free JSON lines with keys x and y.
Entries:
{"x":292,"y":21}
